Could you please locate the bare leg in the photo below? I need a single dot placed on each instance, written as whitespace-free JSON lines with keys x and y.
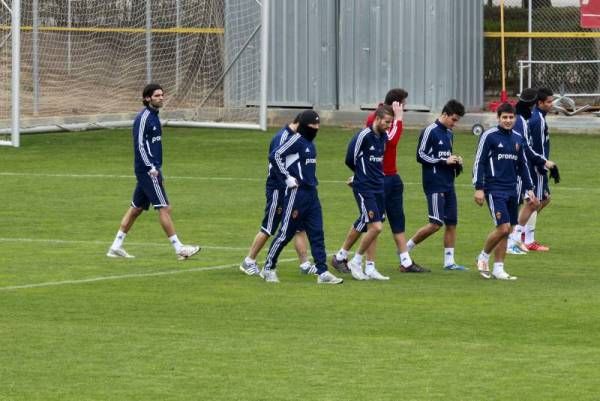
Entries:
{"x":351,"y":238}
{"x":495,"y":237}
{"x":259,"y":242}
{"x":129,"y":218}
{"x":373,"y":231}
{"x":450,"y":237}
{"x":424,"y":232}
{"x":164,"y":217}
{"x":301,"y":245}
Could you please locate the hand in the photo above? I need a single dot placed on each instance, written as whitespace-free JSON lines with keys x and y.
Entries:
{"x":350,"y":181}
{"x":460,"y":159}
{"x":453,"y":159}
{"x":479,"y":197}
{"x":549,"y":164}
{"x":291,"y":182}
{"x":398,"y":110}
{"x":531,"y":199}
{"x":153,"y":172}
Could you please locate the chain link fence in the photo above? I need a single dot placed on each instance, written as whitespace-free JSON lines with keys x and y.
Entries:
{"x":564,"y":57}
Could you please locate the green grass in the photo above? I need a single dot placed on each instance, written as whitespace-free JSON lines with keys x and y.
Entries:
{"x":109,"y":330}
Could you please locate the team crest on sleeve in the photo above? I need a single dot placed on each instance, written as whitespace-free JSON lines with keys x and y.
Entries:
{"x":279,"y":210}
{"x":295,"y":214}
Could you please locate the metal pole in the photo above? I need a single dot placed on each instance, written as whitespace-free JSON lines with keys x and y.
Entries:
{"x":529,"y":41}
{"x":148,"y":42}
{"x":503,"y":95}
{"x":69,"y":23}
{"x":15,"y":33}
{"x":264,"y":63}
{"x":177,"y":48}
{"x":35,"y":56}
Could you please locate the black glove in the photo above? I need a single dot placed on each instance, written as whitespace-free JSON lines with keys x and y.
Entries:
{"x":458,"y":168}
{"x":555,"y":174}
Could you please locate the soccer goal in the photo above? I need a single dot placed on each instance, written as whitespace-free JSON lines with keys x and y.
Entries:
{"x":81,"y":64}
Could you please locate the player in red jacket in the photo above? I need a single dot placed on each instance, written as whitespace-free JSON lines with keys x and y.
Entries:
{"x":394,"y":189}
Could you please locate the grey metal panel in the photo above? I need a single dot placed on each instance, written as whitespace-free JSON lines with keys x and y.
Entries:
{"x":302,"y":53}
{"x":432,"y":48}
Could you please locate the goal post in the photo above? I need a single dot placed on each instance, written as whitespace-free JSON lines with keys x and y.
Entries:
{"x":83,"y":63}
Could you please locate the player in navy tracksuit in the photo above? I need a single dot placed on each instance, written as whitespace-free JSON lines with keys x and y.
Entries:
{"x":527,"y":100}
{"x":539,"y":140}
{"x":499,"y":160}
{"x":365,"y":158}
{"x":296,"y":161}
{"x":439,"y":168}
{"x":147,"y":149}
{"x":275,"y":192}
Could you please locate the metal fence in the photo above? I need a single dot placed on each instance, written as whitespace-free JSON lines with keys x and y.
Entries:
{"x":545,"y":46}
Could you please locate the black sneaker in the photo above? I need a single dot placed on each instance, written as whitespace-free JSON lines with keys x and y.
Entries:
{"x":340,"y":265}
{"x":414,"y":268}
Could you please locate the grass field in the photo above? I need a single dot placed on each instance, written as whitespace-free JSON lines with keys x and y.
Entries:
{"x":75,"y":325}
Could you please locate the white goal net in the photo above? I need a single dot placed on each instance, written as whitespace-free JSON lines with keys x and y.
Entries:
{"x":83,"y":63}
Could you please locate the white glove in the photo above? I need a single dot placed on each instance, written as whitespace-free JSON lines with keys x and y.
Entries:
{"x":291,"y":182}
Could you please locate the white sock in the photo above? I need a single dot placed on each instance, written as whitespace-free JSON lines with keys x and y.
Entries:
{"x":175,"y":242}
{"x":498,"y":267}
{"x":342,"y":254}
{"x":410,"y":245}
{"x":405,"y":259}
{"x":449,"y":257}
{"x":516,"y":234}
{"x":484,"y":256}
{"x":119,"y":238}
{"x":369,"y":266}
{"x":530,"y":228}
{"x":249,"y":261}
{"x":305,"y":265}
{"x":357,"y":259}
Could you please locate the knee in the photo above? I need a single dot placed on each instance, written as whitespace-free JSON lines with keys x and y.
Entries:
{"x":504,"y":229}
{"x":376,"y":227}
{"x":136,"y":211}
{"x":165,"y":210}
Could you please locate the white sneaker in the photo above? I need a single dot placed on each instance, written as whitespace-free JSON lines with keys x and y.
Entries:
{"x":250,"y":269}
{"x":515,"y":250}
{"x":308,"y":268}
{"x":270,"y":276}
{"x":356,"y":271}
{"x":502,"y":275}
{"x":118,"y":253}
{"x":328,"y":278}
{"x":375,"y":275}
{"x":484,"y":269}
{"x":187,"y":251}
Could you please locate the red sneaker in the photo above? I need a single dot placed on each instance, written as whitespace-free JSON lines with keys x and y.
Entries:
{"x":536,"y":246}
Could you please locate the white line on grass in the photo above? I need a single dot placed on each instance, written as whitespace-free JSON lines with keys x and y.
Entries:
{"x":64,"y":241}
{"x":122,"y":277}
{"x":175,"y":177}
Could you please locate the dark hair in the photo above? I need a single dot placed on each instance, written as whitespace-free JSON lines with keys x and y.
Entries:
{"x":528,"y":95}
{"x":149,"y":91}
{"x":395,"y":95}
{"x":505,"y":108}
{"x":383,"y":110}
{"x":543,"y":94}
{"x":453,"y":107}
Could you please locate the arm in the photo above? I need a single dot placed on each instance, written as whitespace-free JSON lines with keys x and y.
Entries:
{"x":279,"y":155}
{"x":354,"y":148}
{"x":395,"y":132}
{"x":424,"y":143}
{"x":144,"y":133}
{"x":479,"y":163}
